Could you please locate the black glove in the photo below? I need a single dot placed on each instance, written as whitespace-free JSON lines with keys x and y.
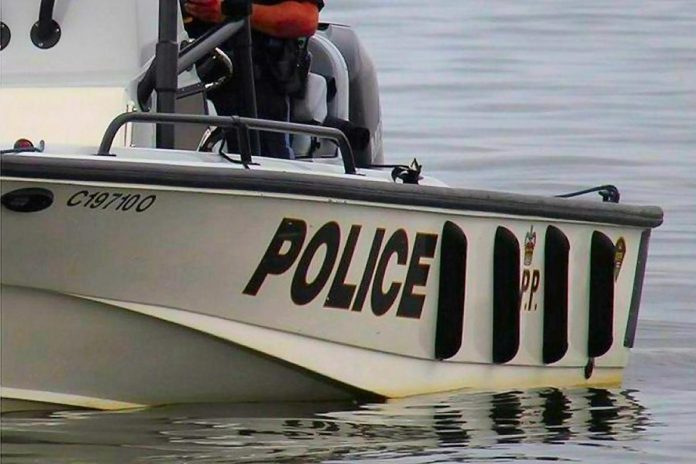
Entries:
{"x":234,"y":10}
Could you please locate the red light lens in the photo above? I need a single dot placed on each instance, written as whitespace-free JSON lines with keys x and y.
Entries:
{"x":23,"y":143}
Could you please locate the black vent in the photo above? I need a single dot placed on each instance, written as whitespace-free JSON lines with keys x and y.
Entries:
{"x":27,"y":200}
{"x":601,"y":323}
{"x":556,"y":253}
{"x":506,"y":296}
{"x":450,"y":307}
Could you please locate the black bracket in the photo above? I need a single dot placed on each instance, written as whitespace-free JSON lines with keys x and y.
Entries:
{"x":609,"y":193}
{"x":408,"y":174}
{"x":19,"y":149}
{"x":45,"y":33}
{"x":51,"y":37}
{"x":589,"y":368}
{"x":5,"y":35}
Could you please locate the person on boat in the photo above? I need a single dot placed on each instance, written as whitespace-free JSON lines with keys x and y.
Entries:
{"x":280,"y":29}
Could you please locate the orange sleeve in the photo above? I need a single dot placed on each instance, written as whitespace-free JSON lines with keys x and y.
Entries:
{"x":287,"y":20}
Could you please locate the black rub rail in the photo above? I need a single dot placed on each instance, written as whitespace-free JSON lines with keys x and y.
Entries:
{"x":241,"y":124}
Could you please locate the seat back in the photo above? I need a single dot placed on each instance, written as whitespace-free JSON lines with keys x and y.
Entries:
{"x":327,"y":95}
{"x":312,"y":108}
{"x":328,"y":61}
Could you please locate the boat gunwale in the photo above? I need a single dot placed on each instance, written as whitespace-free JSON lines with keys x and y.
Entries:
{"x":352,"y":188}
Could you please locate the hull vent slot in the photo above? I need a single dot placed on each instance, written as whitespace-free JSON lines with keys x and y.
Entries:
{"x":450,"y":309}
{"x":556,"y":255}
{"x":601,"y":320}
{"x":506,"y":296}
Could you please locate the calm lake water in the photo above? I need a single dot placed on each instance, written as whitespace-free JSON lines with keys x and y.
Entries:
{"x":539,"y":97}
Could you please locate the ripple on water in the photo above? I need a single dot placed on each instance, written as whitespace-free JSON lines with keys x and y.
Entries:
{"x":489,"y":425}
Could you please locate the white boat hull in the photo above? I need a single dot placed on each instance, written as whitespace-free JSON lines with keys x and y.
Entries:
{"x":136,"y":276}
{"x":109,"y":302}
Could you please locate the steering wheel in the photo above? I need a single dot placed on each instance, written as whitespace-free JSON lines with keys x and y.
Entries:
{"x":215,"y":70}
{"x":211,"y":137}
{"x":216,"y":66}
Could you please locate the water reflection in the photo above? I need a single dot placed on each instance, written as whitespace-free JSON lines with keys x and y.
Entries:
{"x":424,"y":426}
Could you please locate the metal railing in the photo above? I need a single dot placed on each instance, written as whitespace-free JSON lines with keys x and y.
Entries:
{"x":241,"y":124}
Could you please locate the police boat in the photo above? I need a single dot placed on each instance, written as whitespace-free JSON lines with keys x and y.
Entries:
{"x":143,"y":263}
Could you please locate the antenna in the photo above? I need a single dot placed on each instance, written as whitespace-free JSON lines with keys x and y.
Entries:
{"x":166,"y":64}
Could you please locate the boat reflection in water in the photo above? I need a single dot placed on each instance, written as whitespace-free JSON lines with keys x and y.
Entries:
{"x":424,"y":426}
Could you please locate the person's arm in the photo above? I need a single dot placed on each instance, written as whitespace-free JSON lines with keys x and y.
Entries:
{"x":288,"y":19}
{"x":209,"y":11}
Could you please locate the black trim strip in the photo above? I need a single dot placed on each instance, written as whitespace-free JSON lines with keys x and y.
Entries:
{"x":632,"y":324}
{"x":110,"y":170}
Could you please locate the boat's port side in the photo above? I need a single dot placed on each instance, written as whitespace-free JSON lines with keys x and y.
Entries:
{"x":61,"y":349}
{"x":433,"y":298}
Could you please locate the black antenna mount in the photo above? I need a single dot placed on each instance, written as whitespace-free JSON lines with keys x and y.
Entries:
{"x":46,"y":31}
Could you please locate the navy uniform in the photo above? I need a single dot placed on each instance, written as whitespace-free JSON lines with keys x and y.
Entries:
{"x":281,"y":64}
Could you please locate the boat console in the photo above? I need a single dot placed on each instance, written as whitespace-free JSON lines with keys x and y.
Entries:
{"x":120,"y":40}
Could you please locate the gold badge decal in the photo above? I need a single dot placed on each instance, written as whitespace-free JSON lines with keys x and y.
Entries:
{"x":619,"y":256}
{"x":529,"y":245}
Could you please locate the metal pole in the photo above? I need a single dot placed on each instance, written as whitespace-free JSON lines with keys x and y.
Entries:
{"x":45,"y":27}
{"x":245,"y":63}
{"x":166,"y":59}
